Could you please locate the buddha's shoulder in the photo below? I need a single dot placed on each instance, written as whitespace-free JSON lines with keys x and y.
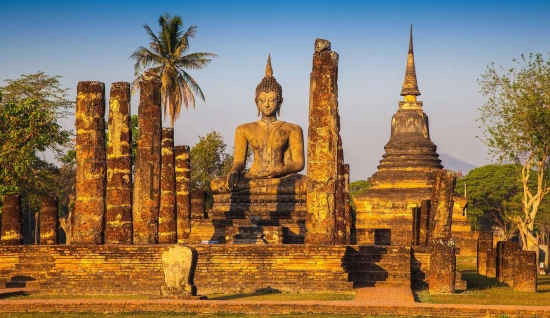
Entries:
{"x":247,"y":126}
{"x":292,"y":126}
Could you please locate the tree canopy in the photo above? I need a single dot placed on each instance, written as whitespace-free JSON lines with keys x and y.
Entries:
{"x":494,"y":196}
{"x":209,"y":160}
{"x":165,"y":58}
{"x":516,"y":117}
{"x":30,"y":110}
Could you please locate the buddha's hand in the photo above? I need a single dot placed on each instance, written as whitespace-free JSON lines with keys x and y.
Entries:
{"x":232,"y":180}
{"x":273,"y":172}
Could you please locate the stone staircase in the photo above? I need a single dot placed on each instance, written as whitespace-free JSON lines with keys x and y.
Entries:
{"x":369,"y":266}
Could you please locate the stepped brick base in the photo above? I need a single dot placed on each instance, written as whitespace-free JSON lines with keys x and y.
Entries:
{"x":274,"y":219}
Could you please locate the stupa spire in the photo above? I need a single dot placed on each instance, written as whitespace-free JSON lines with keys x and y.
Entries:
{"x":410,"y":86}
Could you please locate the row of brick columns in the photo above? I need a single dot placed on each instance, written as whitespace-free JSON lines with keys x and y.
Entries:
{"x":110,"y":207}
{"x":507,"y":263}
{"x":11,"y":232}
{"x":152,"y":213}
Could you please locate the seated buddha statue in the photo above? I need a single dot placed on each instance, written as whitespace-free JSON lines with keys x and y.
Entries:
{"x":278,"y":149}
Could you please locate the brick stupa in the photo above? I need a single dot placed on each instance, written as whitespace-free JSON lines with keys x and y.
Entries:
{"x":405,"y":174}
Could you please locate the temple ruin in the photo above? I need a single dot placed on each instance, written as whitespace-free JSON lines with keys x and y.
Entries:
{"x":270,"y":227}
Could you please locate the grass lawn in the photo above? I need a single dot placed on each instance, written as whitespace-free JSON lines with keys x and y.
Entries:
{"x":488,"y":291}
{"x":173,"y":314}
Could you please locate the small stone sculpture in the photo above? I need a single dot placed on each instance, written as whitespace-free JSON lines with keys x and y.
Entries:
{"x":179,"y":263}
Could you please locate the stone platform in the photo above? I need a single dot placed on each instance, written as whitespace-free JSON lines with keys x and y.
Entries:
{"x":253,"y":219}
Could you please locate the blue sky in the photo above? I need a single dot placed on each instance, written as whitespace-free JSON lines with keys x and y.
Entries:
{"x":454,"y":42}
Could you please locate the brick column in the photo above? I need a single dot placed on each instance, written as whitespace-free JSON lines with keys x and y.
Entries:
{"x":118,"y":223}
{"x":183,"y":200}
{"x":322,"y":153}
{"x":442,"y":258}
{"x":146,"y":200}
{"x":424,"y":232}
{"x":49,"y":221}
{"x":167,"y":213}
{"x":484,"y":244}
{"x":347,"y":206}
{"x":491,"y":263}
{"x":442,"y":204}
{"x":525,"y":271}
{"x":341,"y":232}
{"x":89,"y":212}
{"x":12,"y":226}
{"x":506,"y":255}
{"x":198,"y":204}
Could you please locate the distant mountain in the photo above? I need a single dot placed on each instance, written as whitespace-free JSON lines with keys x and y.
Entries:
{"x":455,"y":164}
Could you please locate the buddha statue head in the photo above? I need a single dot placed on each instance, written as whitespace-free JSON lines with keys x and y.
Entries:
{"x":268,"y":85}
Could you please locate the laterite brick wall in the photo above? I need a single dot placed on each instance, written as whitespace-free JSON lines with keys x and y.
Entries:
{"x":135,"y":269}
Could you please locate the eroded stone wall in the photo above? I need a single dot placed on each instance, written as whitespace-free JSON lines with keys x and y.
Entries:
{"x":137,"y":269}
{"x":89,"y":211}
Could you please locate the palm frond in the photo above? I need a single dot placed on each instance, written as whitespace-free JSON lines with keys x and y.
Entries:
{"x":145,"y":58}
{"x":151,"y":34}
{"x":184,"y":42}
{"x":164,"y":58}
{"x":191,"y":83}
{"x":195,"y":61}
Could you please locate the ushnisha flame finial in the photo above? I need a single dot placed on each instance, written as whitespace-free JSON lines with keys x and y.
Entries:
{"x":410,"y":86}
{"x":268,"y":69}
{"x":269,"y":83}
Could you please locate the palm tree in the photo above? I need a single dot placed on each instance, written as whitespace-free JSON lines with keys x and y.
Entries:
{"x":165,"y":58}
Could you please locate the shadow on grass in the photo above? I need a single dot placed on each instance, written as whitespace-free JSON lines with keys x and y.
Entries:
{"x":480,"y":282}
{"x":12,"y":294}
{"x":259,"y":292}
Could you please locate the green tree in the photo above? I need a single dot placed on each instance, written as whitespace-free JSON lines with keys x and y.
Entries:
{"x":357,"y":187}
{"x":494,"y":196}
{"x":165,"y":58}
{"x":30,"y":110}
{"x":44,"y":89}
{"x":516,"y":117}
{"x":209,"y":160}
